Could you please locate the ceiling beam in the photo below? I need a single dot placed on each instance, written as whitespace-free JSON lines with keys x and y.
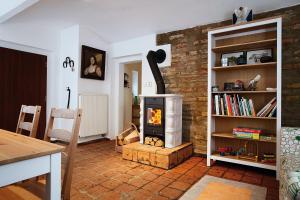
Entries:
{"x":11,"y":8}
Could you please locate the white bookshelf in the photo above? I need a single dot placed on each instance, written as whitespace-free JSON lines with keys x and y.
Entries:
{"x":255,"y":35}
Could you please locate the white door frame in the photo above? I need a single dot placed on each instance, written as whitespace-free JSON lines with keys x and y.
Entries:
{"x":118,"y":92}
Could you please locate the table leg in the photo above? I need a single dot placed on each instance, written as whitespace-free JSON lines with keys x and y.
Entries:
{"x":53,"y":180}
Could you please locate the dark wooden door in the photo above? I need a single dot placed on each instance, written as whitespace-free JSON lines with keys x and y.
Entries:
{"x":23,"y":79}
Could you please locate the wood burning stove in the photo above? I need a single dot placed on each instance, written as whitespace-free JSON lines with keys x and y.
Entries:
{"x":161,"y":114}
{"x":154,"y":117}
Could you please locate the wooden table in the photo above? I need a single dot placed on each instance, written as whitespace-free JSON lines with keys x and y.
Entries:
{"x":23,"y":157}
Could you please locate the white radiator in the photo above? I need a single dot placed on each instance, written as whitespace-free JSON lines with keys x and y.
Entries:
{"x":94,"y":119}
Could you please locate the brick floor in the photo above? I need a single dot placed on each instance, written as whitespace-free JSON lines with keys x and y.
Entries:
{"x":101,"y":173}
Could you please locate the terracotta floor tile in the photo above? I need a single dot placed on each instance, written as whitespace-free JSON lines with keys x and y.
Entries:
{"x":179,"y":185}
{"x":170,"y":193}
{"x":159,"y":197}
{"x":135,"y":171}
{"x":233,"y":176}
{"x":270,"y":181}
{"x":217,"y":173}
{"x":124,"y":187}
{"x":188,"y":179}
{"x":111,"y":195}
{"x":251,"y":180}
{"x":123,"y":177}
{"x":137,"y":182}
{"x":158,"y":171}
{"x":153,"y":187}
{"x":141,"y":194}
{"x":171,"y":175}
{"x":149,"y":176}
{"x":163,"y":180}
{"x":111,"y":184}
{"x":96,"y":191}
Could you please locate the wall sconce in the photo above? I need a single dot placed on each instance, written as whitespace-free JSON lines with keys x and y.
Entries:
{"x":69,"y":62}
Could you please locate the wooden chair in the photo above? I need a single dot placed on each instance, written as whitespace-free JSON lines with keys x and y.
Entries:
{"x":29,"y":126}
{"x":35,"y":190}
{"x":70,"y":137}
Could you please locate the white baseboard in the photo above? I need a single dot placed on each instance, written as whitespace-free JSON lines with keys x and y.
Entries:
{"x":91,"y":138}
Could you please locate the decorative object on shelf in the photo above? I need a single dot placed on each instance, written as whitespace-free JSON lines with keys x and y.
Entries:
{"x":231,"y":58}
{"x":271,"y":89}
{"x":268,"y":158}
{"x":238,"y":86}
{"x":223,"y":151}
{"x":266,"y":59}
{"x":215,"y":88}
{"x":254,"y":57}
{"x":242,"y":15}
{"x":228,"y":86}
{"x":126,"y":80}
{"x":92,"y":63}
{"x":242,"y":60}
{"x":252,"y":83}
{"x":247,"y":155}
{"x":232,"y":61}
{"x":224,"y":62}
{"x":69,"y":62}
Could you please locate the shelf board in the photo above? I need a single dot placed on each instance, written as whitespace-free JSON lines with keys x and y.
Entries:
{"x":234,"y":159}
{"x":247,"y":66}
{"x":230,"y":136}
{"x":245,"y":46}
{"x":244,"y":92}
{"x":244,"y":117}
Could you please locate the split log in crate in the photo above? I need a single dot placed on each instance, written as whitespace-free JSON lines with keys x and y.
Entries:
{"x":165,"y":158}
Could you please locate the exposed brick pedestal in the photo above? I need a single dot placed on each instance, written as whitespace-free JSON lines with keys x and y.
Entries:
{"x":165,"y":158}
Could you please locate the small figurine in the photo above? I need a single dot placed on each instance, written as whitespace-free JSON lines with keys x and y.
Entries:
{"x":242,"y":15}
{"x":253,"y":82}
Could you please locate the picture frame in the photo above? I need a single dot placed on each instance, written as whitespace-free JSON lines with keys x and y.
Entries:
{"x":254,"y":57}
{"x":92,"y":63}
{"x":231,"y":58}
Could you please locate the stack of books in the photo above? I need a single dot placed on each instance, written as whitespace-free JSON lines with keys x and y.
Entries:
{"x":268,"y":110}
{"x":247,"y":133}
{"x":233,"y":105}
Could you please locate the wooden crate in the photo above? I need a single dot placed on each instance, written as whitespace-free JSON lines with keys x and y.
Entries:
{"x":165,"y":158}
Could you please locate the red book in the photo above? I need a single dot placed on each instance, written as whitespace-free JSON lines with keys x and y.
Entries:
{"x":229,"y":106}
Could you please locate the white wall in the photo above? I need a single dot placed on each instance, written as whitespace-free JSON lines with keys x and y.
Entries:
{"x":69,"y":47}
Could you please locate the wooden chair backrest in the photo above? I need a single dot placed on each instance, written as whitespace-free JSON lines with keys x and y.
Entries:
{"x":70,"y":137}
{"x":29,"y":126}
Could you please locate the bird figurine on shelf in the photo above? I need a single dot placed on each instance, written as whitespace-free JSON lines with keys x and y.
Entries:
{"x":252,"y":83}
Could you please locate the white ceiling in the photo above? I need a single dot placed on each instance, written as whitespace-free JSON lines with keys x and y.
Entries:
{"x":117,"y":20}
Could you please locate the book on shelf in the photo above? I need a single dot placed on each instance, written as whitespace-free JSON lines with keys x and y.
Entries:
{"x":233,"y":105}
{"x":269,"y":110}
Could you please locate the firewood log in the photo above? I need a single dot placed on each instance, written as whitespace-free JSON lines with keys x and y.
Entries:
{"x":147,"y":140}
{"x":159,"y":143}
{"x":132,"y":137}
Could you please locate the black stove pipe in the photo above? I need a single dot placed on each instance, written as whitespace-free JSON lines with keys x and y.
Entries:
{"x":153,"y":58}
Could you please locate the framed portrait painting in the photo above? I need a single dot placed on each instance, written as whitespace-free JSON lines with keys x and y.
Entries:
{"x":92,"y":63}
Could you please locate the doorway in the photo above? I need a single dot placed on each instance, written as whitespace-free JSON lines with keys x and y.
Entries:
{"x":23,"y":78}
{"x":132,"y":89}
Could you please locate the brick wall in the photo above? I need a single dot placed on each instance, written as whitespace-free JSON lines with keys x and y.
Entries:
{"x":188,"y":73}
